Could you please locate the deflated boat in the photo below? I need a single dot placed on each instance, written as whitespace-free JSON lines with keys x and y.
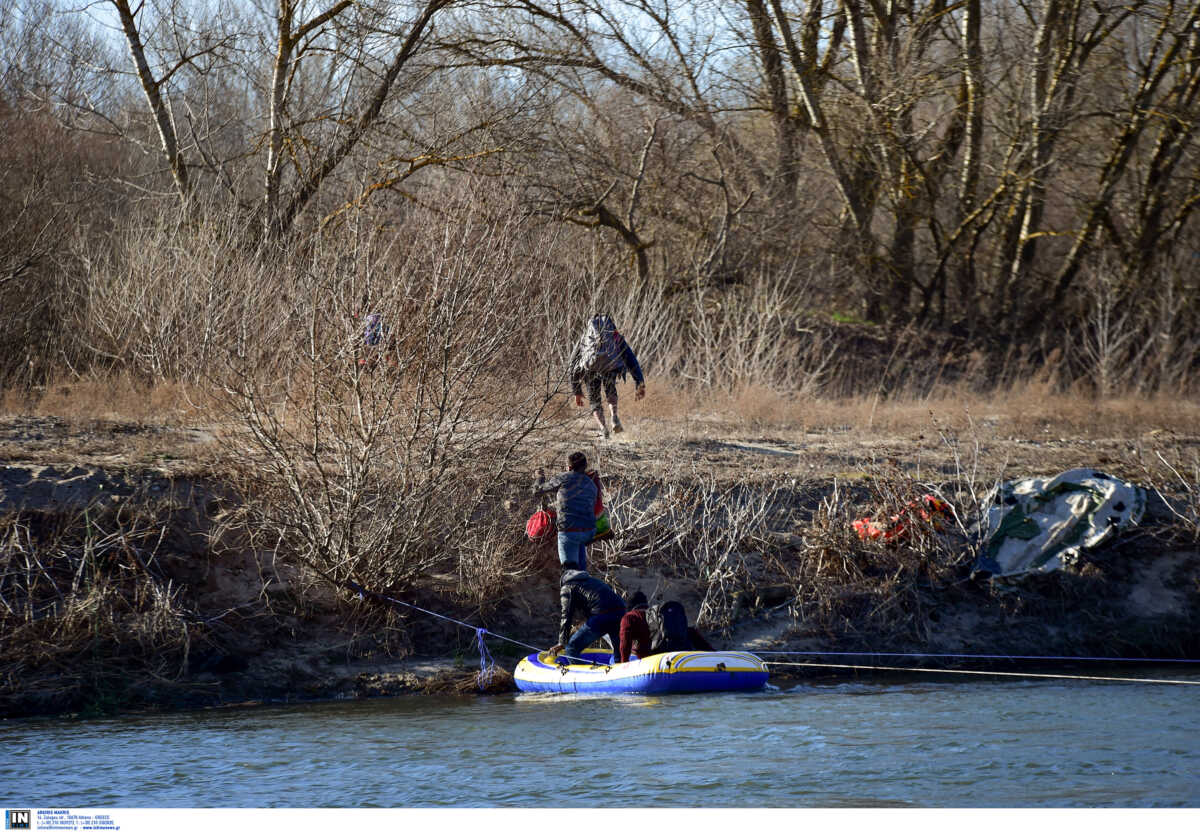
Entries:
{"x":677,"y":672}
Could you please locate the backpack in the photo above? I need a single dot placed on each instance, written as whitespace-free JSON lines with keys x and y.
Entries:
{"x":668,"y":627}
{"x":601,"y":348}
{"x":540,"y":525}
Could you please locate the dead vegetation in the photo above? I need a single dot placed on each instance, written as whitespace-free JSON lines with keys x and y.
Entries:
{"x":701,"y":530}
{"x":751,"y":540}
{"x":874,"y":592}
{"x":88,"y":614}
{"x":738,"y":542}
{"x":1176,"y":472}
{"x":745,"y":510}
{"x":797,"y":381}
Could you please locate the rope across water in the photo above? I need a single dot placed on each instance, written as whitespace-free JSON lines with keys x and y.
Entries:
{"x":1113,"y":659}
{"x":1022,"y":675}
{"x":487,"y":663}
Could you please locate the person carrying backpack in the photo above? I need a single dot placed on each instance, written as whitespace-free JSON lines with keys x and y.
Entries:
{"x":376,"y":338}
{"x":575,"y":508}
{"x":600,"y":358}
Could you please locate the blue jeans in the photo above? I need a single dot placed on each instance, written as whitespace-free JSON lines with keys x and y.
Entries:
{"x":604,"y":624}
{"x":572,"y":546}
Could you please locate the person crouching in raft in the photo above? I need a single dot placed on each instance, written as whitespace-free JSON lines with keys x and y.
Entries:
{"x":600,"y":605}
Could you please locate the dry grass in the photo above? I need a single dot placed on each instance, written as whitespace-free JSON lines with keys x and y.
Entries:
{"x":450,"y":683}
{"x":731,"y":539}
{"x":118,"y":397}
{"x":87,"y":615}
{"x":701,"y":530}
{"x":873,"y":592}
{"x":1021,"y":411}
{"x":1175,"y":473}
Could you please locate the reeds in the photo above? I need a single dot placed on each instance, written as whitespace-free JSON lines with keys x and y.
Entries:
{"x":87,"y":614}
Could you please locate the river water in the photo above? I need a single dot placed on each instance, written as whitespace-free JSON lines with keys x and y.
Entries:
{"x":1004,"y":743}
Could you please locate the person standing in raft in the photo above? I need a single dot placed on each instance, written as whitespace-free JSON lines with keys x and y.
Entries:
{"x":575,"y":507}
{"x":600,"y":358}
{"x":635,"y":632}
{"x":600,"y":605}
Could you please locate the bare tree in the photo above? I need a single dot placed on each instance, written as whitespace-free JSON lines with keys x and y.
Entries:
{"x":379,"y":459}
{"x":306,"y":126}
{"x":953,"y":165}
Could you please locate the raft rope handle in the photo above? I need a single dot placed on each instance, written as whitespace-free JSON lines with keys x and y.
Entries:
{"x":479,"y":631}
{"x":986,"y":673}
{"x":967,"y":656}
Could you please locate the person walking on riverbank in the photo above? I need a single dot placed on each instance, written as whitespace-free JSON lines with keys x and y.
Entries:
{"x":600,"y":358}
{"x":575,"y":507}
{"x":635,"y":632}
{"x":600,"y":605}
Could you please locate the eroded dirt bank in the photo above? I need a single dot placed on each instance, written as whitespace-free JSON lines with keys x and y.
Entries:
{"x":129,"y":583}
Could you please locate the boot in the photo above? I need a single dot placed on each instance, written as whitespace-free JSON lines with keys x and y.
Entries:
{"x":617,"y":426}
{"x":599,"y":414}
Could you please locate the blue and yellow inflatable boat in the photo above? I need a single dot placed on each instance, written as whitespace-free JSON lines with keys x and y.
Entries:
{"x":678,"y":672}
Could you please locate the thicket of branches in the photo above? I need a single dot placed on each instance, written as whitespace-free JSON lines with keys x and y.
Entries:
{"x":382,"y":462}
{"x":87,"y":616}
{"x":995,"y":176}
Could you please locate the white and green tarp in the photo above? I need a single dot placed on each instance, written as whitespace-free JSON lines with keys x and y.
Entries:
{"x":1039,"y":525}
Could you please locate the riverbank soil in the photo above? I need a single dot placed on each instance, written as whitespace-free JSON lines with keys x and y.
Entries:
{"x":130,"y":581}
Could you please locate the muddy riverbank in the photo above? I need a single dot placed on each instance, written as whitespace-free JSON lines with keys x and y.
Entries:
{"x":129,"y":581}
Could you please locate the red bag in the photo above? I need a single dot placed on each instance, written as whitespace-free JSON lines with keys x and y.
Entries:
{"x":930,"y":509}
{"x":540,"y":525}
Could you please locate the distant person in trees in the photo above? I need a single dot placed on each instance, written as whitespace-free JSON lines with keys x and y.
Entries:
{"x":598,"y":603}
{"x":635,"y":632}
{"x":575,"y":508}
{"x":376,"y":337}
{"x":600,"y":358}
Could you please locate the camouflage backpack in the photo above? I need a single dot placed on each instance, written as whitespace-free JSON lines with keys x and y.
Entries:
{"x":601,"y":347}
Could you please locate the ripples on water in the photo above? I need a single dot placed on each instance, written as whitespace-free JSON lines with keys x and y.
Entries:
{"x":931,"y":745}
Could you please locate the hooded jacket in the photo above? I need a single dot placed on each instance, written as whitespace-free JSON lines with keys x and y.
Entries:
{"x":635,"y":634}
{"x":581,"y":593}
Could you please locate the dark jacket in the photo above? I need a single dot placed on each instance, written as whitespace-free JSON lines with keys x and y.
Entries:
{"x":670,"y":630}
{"x":581,"y":593}
{"x":635,"y":635}
{"x":575,"y":502}
{"x":628,"y":359}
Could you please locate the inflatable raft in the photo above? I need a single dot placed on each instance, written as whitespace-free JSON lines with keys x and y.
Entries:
{"x":678,"y":672}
